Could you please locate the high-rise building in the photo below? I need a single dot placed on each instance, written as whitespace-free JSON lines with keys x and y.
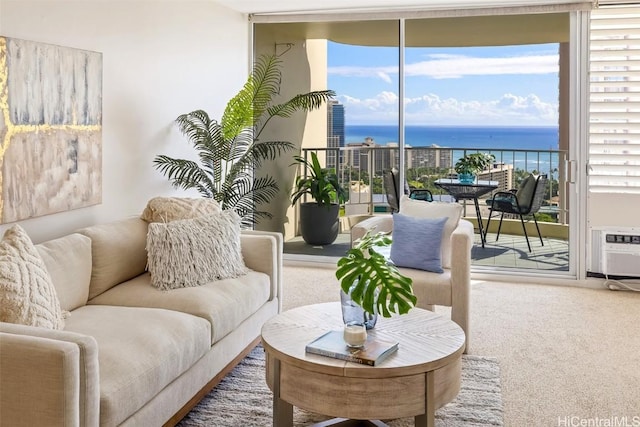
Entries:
{"x":335,"y":132}
{"x":433,"y":156}
{"x":501,"y":172}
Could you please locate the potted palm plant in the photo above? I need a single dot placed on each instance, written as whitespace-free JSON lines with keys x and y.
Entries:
{"x":371,"y":284}
{"x":470,"y":165}
{"x":231,"y":150}
{"x":318,"y":218}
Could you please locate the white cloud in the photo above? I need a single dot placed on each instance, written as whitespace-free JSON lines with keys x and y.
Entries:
{"x":508,"y":109}
{"x":374,"y":72}
{"x":446,"y":66}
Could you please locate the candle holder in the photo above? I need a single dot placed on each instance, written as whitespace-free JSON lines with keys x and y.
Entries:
{"x":355,"y":334}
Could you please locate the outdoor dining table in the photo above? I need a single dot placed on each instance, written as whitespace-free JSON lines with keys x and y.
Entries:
{"x":465,"y":191}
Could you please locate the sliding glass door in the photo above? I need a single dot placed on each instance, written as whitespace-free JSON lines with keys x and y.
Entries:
{"x":418,"y":94}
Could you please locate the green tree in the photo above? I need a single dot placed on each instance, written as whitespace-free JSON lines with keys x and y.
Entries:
{"x":230,"y":150}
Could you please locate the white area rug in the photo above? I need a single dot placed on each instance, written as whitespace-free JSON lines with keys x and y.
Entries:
{"x":243,"y":399}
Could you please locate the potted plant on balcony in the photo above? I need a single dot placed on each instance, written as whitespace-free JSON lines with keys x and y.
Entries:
{"x":371,"y":284}
{"x":470,"y":165}
{"x":319,"y":218}
{"x":231,"y":150}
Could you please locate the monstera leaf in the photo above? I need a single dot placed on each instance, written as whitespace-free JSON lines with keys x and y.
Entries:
{"x":372,"y":280}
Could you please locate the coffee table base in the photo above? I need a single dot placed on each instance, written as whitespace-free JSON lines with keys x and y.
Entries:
{"x":344,"y":422}
{"x":283,"y":410}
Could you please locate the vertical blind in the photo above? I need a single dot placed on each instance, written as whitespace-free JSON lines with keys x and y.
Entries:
{"x":614,"y":127}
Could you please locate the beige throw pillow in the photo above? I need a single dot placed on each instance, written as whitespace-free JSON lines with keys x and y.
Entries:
{"x":167,"y":209}
{"x":422,"y":209}
{"x":27,"y":295}
{"x":193,"y":252}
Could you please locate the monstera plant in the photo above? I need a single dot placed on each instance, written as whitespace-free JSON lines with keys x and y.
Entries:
{"x":372,"y":281}
{"x":231,"y":150}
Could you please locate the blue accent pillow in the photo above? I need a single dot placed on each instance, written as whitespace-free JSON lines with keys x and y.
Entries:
{"x":416,"y":242}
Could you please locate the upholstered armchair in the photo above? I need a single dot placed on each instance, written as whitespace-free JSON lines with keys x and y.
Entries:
{"x":449,"y":288}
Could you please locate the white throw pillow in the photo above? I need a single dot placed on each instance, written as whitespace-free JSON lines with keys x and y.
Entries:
{"x":27,"y":295}
{"x":422,"y":209}
{"x":193,"y":252}
{"x":167,"y":209}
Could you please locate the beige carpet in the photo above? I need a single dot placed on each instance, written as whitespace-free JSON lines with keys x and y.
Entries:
{"x":566,"y":353}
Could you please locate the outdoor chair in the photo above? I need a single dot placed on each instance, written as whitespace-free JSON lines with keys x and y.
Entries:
{"x":523,"y":202}
{"x":391,"y":180}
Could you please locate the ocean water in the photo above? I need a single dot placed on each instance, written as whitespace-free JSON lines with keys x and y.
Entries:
{"x":507,"y":138}
{"x":508,"y":144}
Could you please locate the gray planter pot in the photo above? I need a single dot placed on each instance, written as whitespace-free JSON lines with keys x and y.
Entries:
{"x":319,"y":224}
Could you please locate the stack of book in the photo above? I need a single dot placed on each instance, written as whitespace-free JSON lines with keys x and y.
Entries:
{"x":332,"y":344}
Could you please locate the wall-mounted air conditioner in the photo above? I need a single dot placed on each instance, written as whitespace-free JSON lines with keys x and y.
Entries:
{"x":616,"y":251}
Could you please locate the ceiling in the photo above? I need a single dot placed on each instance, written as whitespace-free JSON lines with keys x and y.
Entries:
{"x":288,"y":6}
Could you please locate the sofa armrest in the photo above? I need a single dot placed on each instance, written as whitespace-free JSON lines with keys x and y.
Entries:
{"x":49,"y":377}
{"x":382,"y":223}
{"x":461,"y":243}
{"x":262,"y":251}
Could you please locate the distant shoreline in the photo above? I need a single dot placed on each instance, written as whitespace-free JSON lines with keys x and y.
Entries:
{"x":482,"y":137}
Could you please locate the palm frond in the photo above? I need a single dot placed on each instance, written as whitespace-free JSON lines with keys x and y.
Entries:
{"x":252,"y":189}
{"x":238,"y":114}
{"x":261,"y":151}
{"x":252,"y":100}
{"x":194,"y":125}
{"x":185,"y":174}
{"x":245,"y":194}
{"x":267,"y":79}
{"x":302,"y":102}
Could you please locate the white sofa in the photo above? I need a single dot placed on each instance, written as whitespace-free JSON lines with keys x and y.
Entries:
{"x":130,"y":354}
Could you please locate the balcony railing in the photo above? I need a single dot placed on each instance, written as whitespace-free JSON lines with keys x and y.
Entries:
{"x":359,"y":170}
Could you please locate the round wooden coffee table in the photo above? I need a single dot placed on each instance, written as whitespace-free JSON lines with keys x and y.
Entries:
{"x":420,"y":377}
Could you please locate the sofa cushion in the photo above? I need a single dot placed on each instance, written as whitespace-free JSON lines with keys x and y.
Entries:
{"x":192,"y":252}
{"x":27,"y":295}
{"x":224,"y":303}
{"x":140,"y":351}
{"x":68,"y":261}
{"x":167,"y":209}
{"x":118,"y":252}
{"x":417,"y":242}
{"x":421,"y":209}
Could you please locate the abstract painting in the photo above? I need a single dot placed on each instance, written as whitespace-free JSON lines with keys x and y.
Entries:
{"x":50,"y":129}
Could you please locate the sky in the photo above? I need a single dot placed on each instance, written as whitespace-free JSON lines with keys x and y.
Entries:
{"x":472,"y":86}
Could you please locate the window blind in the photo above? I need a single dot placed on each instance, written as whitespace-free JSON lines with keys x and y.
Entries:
{"x":614,"y":126}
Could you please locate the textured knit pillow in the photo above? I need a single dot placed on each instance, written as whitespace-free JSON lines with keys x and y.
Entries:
{"x":416,"y":242}
{"x":27,"y":295}
{"x":167,"y":209}
{"x":422,"y":209}
{"x":193,"y":252}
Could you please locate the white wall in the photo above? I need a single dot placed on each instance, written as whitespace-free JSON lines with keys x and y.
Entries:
{"x":160,"y":59}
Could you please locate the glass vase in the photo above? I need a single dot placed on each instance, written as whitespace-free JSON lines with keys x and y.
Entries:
{"x":353,"y":313}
